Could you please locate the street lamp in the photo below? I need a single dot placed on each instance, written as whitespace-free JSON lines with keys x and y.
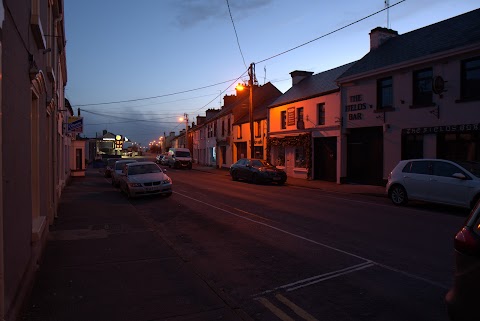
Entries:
{"x":240,"y":87}
{"x":185,"y":118}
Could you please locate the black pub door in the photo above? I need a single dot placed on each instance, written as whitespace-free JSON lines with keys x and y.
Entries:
{"x":325,"y":159}
{"x":365,"y":155}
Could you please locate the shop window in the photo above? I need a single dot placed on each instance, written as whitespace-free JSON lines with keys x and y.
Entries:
{"x":321,"y":114}
{"x":422,"y":87}
{"x":283,"y":118}
{"x":384,"y":93}
{"x":300,"y":159}
{"x":459,"y":146}
{"x":279,"y":156}
{"x":470,"y":81}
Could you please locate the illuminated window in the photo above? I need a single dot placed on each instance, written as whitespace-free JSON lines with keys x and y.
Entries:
{"x":279,"y":156}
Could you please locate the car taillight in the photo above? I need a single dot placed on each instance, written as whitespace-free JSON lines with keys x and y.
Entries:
{"x":466,"y":242}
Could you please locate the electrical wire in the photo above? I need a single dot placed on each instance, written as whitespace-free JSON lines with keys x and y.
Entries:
{"x":236,"y":35}
{"x":329,"y":33}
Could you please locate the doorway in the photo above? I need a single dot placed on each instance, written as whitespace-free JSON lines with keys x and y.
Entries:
{"x":325,"y":159}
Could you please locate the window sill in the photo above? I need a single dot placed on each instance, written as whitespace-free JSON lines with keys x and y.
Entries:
{"x":423,"y":106}
{"x":467,"y":100}
{"x":384,"y":109}
{"x":300,"y":169}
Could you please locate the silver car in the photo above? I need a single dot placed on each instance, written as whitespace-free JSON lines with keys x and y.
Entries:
{"x":435,"y":180}
{"x":145,"y":178}
{"x":118,"y":168}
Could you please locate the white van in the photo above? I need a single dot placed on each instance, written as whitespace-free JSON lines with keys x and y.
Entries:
{"x":179,"y":158}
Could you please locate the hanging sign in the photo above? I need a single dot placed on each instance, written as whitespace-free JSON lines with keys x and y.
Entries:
{"x":75,"y":124}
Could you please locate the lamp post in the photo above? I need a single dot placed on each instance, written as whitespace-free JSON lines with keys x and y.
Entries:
{"x":250,"y":110}
{"x":185,"y":118}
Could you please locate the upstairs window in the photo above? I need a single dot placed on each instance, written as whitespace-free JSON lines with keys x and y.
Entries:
{"x":385,"y":93}
{"x":321,"y":114}
{"x":258,"y":129}
{"x":470,"y":81}
{"x":300,"y":123}
{"x":422,"y":87}
{"x":239,"y":132}
{"x":228,"y":127}
{"x":283,"y":119}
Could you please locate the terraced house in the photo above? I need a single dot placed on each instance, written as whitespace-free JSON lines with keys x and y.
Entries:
{"x":415,"y":95}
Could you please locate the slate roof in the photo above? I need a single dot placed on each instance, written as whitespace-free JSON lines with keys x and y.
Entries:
{"x":445,"y":35}
{"x":313,"y":86}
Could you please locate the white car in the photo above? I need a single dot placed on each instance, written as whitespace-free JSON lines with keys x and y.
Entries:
{"x":118,"y":168}
{"x":435,"y":180}
{"x":145,"y":178}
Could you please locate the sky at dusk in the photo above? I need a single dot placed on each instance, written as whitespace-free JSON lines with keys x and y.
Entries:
{"x":135,"y":67}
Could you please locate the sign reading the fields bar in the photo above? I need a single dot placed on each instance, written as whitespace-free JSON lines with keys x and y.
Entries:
{"x":75,"y":124}
{"x":462,"y":128}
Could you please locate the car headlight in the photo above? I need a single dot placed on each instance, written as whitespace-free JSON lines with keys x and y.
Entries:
{"x":134,"y":184}
{"x":167,"y":181}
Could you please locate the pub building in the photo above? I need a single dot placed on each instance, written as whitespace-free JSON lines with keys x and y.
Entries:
{"x":415,"y":95}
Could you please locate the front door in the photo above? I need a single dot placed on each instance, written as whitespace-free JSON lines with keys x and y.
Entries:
{"x":241,"y":150}
{"x":365,"y":155}
{"x":325,"y":159}
{"x":289,"y":160}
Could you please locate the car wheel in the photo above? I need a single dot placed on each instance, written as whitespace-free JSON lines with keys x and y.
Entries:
{"x":234,"y":176}
{"x":398,"y":195}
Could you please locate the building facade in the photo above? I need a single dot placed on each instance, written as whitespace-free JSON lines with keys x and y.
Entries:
{"x":34,"y":145}
{"x":415,"y":95}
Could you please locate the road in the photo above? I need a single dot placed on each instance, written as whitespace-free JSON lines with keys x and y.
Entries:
{"x":292,"y":253}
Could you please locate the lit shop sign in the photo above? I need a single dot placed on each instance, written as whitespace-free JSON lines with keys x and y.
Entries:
{"x":443,"y":129}
{"x":356,"y":107}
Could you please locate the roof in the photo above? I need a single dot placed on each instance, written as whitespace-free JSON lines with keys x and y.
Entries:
{"x":262,"y":98}
{"x":456,"y":32}
{"x":313,"y":86}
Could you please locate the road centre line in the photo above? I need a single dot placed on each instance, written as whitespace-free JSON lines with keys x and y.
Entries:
{"x":318,"y":278}
{"x":274,"y":309}
{"x":367,"y":261}
{"x":295,"y":308}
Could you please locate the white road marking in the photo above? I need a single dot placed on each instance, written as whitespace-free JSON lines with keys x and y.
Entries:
{"x":319,"y":243}
{"x":318,"y":278}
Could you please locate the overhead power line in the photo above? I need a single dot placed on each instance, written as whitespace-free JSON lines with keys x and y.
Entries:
{"x":236,"y":35}
{"x":329,"y":33}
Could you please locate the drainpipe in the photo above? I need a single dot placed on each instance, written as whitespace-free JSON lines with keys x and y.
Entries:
{"x":2,"y":260}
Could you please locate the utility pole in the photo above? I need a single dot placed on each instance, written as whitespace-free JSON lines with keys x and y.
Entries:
{"x":185,"y":116}
{"x":251,"y":82}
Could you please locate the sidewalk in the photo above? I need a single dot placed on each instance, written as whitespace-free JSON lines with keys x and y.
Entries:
{"x":103,"y":261}
{"x":371,"y":190}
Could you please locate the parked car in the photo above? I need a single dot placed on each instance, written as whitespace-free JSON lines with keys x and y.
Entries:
{"x":118,"y":170}
{"x":435,"y":180}
{"x":110,"y":167}
{"x":145,"y":178}
{"x":462,"y":299}
{"x":257,"y":171}
{"x":159,"y":158}
{"x":179,"y":158}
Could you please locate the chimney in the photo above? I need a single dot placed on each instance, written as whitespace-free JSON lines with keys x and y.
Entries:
{"x":379,"y":35}
{"x":299,"y":75}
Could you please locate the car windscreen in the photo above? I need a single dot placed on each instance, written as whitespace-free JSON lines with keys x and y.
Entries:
{"x":260,"y":163}
{"x":143,"y":169}
{"x":182,"y":154}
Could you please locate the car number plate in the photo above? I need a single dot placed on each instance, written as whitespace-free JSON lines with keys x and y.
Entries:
{"x":150,"y":188}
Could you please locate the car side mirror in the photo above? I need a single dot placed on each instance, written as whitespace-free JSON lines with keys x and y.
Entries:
{"x":459,"y":176}
{"x":164,"y":170}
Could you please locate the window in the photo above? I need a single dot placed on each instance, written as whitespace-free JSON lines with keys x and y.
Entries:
{"x":446,"y":169}
{"x":214,"y":129}
{"x":223,"y":127}
{"x":300,"y":160}
{"x":470,"y":81}
{"x":418,"y":167}
{"x":258,"y":131}
{"x":228,"y":127}
{"x":283,"y":118}
{"x":384,"y":93}
{"x":239,"y":132}
{"x":422,"y":87}
{"x":300,"y":123}
{"x":321,"y":114}
{"x":258,"y":151}
{"x":412,"y":146}
{"x":279,"y":153}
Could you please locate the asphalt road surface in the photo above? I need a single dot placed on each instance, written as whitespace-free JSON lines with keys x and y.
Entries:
{"x":292,"y":253}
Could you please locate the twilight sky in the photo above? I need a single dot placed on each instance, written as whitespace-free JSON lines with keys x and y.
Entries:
{"x":135,"y":67}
